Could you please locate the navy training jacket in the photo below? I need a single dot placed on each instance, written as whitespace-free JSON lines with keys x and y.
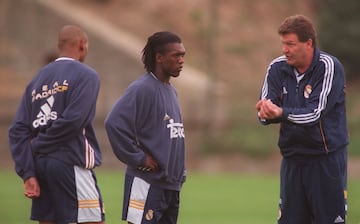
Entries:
{"x":147,"y":119}
{"x":314,"y":114}
{"x":55,"y":118}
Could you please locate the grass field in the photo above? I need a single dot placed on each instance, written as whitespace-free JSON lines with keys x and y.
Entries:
{"x":205,"y":198}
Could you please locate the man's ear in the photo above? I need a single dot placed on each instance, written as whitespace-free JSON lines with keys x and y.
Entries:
{"x":159,"y":57}
{"x":82,"y":45}
{"x":309,"y":43}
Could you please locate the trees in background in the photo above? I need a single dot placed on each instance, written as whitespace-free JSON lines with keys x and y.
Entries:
{"x":339,"y":32}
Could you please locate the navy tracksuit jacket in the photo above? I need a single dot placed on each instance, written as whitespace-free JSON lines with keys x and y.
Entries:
{"x":314,"y":116}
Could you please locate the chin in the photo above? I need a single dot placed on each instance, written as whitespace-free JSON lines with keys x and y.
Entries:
{"x":290,"y":63}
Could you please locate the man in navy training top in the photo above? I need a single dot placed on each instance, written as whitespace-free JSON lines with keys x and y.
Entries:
{"x":146,"y":133}
{"x":304,"y":91}
{"x":52,"y":139}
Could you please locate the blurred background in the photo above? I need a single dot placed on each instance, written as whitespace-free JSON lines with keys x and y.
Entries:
{"x":229,"y":45}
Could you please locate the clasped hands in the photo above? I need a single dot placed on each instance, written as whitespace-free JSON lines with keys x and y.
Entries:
{"x":267,"y":110}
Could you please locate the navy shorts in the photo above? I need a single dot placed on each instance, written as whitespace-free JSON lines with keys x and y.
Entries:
{"x":146,"y":204}
{"x":313,"y":189}
{"x":68,"y":194}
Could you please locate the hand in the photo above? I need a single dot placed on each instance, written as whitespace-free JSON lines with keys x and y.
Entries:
{"x":32,"y":188}
{"x":259,"y":104}
{"x":150,"y":164}
{"x":268,"y":110}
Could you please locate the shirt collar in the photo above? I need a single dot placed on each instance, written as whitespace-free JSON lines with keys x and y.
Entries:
{"x":65,"y":58}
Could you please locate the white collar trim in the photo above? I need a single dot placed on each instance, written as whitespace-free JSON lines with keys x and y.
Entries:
{"x":65,"y":58}
{"x":154,"y":75}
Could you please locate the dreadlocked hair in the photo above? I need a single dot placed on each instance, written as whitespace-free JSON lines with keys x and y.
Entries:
{"x":156,"y":43}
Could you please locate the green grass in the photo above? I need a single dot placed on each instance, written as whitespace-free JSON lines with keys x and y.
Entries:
{"x":226,"y":198}
{"x":205,"y":198}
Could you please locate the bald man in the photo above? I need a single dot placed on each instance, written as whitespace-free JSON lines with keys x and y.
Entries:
{"x":52,"y":140}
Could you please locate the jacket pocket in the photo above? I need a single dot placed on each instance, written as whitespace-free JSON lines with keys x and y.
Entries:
{"x":302,"y":137}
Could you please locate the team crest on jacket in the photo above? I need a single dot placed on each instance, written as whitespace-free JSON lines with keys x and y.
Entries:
{"x":149,"y":215}
{"x":307,"y":91}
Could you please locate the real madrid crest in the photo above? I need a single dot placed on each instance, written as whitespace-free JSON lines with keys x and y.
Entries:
{"x":307,"y":91}
{"x":149,"y":215}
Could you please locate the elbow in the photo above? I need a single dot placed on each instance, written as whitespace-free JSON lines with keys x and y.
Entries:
{"x":109,"y":125}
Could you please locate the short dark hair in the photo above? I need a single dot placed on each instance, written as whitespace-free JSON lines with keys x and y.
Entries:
{"x":299,"y":25}
{"x":156,"y":43}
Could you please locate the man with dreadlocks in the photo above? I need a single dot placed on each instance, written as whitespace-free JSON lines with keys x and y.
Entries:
{"x":146,"y":133}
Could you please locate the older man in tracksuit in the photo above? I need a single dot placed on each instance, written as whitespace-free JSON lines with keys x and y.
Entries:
{"x":304,"y":91}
